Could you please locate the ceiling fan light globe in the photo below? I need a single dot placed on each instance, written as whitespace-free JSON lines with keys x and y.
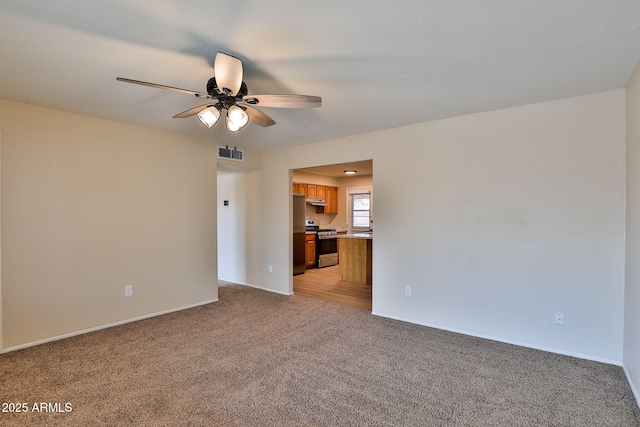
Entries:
{"x":233,"y":127}
{"x":237,"y":116}
{"x":209,"y":116}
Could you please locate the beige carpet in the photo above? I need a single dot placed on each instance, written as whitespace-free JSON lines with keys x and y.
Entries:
{"x":261,"y":359}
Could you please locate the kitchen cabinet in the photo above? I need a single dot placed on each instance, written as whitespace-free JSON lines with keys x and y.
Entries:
{"x":323,"y":192}
{"x":331,"y":200}
{"x":311,"y":191}
{"x":310,"y":250}
{"x":302,"y":189}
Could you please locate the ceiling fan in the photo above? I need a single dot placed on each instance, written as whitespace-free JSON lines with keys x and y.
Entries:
{"x":227,"y":91}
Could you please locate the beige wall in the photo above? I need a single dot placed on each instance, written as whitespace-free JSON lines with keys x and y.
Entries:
{"x":89,"y":206}
{"x":632,"y":277}
{"x":497,"y":220}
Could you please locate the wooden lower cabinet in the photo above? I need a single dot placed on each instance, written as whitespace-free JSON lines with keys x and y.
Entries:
{"x":310,"y":250}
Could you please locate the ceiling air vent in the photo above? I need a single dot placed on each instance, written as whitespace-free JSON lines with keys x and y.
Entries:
{"x":231,"y":154}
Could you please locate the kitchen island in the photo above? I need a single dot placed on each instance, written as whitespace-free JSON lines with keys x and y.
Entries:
{"x":355,"y":257}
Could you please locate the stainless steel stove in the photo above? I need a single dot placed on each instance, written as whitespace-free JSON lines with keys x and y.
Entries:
{"x":327,"y":233}
{"x":327,"y":247}
{"x":326,"y":244}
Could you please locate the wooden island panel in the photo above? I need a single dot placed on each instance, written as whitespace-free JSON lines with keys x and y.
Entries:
{"x":355,"y":259}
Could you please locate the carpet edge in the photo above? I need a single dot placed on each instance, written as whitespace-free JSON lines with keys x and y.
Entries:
{"x":105,"y":326}
{"x":505,"y":341}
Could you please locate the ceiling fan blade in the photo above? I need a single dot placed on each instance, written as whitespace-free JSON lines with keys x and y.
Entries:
{"x":283,"y":101}
{"x":174,"y":89}
{"x":258,"y":117}
{"x":228,"y":73}
{"x":191,"y":112}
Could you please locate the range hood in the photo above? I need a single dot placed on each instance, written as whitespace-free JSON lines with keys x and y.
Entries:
{"x":316,"y":202}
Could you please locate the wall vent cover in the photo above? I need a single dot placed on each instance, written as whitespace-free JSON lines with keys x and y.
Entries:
{"x":231,"y":154}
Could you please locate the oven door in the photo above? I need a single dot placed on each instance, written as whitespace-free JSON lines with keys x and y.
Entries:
{"x":326,"y":245}
{"x":327,"y":251}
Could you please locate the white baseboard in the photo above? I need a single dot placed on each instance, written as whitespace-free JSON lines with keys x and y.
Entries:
{"x":520,"y":344}
{"x":632,"y":385}
{"x":109,"y":325}
{"x":235,"y":282}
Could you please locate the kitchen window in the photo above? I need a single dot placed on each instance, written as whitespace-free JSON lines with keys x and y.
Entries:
{"x":360,"y":203}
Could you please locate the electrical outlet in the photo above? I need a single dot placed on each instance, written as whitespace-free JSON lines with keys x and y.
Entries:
{"x":128,"y":290}
{"x":558,"y":319}
{"x":407,"y":290}
{"x":270,"y":268}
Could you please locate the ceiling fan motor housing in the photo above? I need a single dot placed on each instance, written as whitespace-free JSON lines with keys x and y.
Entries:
{"x":215,"y":92}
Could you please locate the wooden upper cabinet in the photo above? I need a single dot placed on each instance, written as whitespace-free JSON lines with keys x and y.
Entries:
{"x":312,"y":191}
{"x":332,"y":201}
{"x":302,"y":189}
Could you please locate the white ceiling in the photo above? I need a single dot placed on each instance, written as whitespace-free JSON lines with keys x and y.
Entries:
{"x":362,"y":168}
{"x":377,"y":64}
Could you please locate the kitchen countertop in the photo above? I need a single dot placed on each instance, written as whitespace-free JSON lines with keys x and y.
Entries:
{"x":368,"y":236}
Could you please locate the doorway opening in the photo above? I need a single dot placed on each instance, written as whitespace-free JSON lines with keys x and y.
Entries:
{"x":329,"y":193}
